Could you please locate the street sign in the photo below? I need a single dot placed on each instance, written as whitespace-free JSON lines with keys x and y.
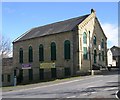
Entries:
{"x":26,"y":66}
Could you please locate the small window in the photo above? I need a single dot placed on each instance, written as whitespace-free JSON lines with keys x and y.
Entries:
{"x":67,"y":49}
{"x":21,"y":55}
{"x":85,"y":53}
{"x":94,"y":40}
{"x":84,"y":38}
{"x":102,"y":44}
{"x":41,"y":53}
{"x":30,"y":54}
{"x":8,"y":78}
{"x":53,"y":51}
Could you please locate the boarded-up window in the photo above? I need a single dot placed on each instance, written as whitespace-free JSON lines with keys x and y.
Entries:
{"x":30,"y":74}
{"x":41,"y":53}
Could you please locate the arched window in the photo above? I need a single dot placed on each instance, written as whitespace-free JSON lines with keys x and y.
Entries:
{"x":94,"y":40}
{"x":53,"y":51}
{"x":30,"y":54}
{"x":102,"y":44}
{"x":41,"y":53}
{"x":21,"y":55}
{"x":85,"y":53}
{"x":67,"y":49}
{"x":84,"y":38}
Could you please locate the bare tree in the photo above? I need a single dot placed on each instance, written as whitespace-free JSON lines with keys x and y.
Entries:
{"x":5,"y":47}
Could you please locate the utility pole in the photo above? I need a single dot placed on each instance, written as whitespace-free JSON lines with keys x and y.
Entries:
{"x":90,"y":53}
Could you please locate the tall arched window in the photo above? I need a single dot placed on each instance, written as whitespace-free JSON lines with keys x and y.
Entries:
{"x":41,"y":53}
{"x":84,"y":38}
{"x":21,"y":55}
{"x":30,"y":54}
{"x":85,"y":53}
{"x":53,"y":51}
{"x":67,"y":49}
{"x":102,"y":44}
{"x":94,"y":40}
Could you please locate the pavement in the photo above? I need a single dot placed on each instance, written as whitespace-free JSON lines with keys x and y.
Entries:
{"x":97,"y":86}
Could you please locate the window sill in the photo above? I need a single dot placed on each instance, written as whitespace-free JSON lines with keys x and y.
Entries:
{"x":67,"y":59}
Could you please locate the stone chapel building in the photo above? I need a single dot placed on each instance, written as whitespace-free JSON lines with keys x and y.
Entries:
{"x":60,"y":49}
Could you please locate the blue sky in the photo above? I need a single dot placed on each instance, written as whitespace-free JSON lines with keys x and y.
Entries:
{"x":19,"y":17}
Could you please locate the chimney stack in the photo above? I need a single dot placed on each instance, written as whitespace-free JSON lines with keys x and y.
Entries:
{"x":92,"y":11}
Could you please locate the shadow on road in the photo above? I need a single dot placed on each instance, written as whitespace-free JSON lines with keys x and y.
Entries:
{"x":110,"y":87}
{"x":112,"y":72}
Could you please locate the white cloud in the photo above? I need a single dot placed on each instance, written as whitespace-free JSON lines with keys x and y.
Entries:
{"x":111,"y":31}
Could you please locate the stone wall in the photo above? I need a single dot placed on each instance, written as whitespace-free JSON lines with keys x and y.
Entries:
{"x":60,"y":62}
{"x":91,"y":25}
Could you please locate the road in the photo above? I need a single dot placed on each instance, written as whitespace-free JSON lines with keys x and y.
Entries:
{"x":98,"y":86}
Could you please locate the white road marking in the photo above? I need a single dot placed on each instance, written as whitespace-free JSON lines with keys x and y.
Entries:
{"x":111,"y":88}
{"x":71,"y":96}
{"x":93,"y":92}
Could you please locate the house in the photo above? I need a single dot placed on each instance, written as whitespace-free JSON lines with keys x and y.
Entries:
{"x":113,"y":55}
{"x":7,"y":71}
{"x":60,"y":49}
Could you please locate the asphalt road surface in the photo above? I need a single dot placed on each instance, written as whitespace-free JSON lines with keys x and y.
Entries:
{"x":98,"y":86}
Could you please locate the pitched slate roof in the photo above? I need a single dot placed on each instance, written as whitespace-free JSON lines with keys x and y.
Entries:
{"x":54,"y":28}
{"x":115,"y":51}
